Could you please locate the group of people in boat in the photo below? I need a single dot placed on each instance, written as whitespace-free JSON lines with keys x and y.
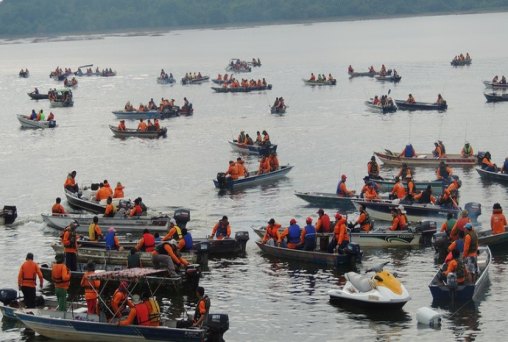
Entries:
{"x":383,"y":71}
{"x":461,"y":58}
{"x":488,"y":165}
{"x":438,"y":152}
{"x":59,"y":71}
{"x":238,"y":65}
{"x":224,"y":78}
{"x":24,"y":73}
{"x":439,"y":101}
{"x":189,"y":76}
{"x":255,"y":62}
{"x":143,"y":126}
{"x":496,"y":80}
{"x":268,"y":163}
{"x":262,"y":139}
{"x":245,"y":83}
{"x":164,"y":105}
{"x":166,"y":76}
{"x":279,"y":105}
{"x":59,"y":96}
{"x":40,"y":116}
{"x":321,"y":78}
{"x":70,"y":83}
{"x":384,"y":101}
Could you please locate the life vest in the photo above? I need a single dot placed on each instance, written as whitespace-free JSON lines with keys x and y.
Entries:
{"x":310,"y":233}
{"x":112,"y":210}
{"x":467,"y":150}
{"x":339,"y":190}
{"x":149,"y":242}
{"x":459,"y":245}
{"x":178,"y":232}
{"x":294,"y":233}
{"x":473,"y":245}
{"x":449,"y":225}
{"x":460,"y":271}
{"x":154,"y":311}
{"x":197,"y":314}
{"x":142,"y":314}
{"x":222,"y":230}
{"x":443,"y":171}
{"x":409,"y":151}
{"x":92,"y":234}
{"x":367,"y":219}
{"x":425,"y":197}
{"x":188,"y":241}
{"x":110,"y":241}
{"x":57,"y":276}
{"x":402,"y":222}
{"x":29,"y":273}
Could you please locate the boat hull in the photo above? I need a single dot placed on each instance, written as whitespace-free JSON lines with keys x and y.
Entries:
{"x":493,"y":176}
{"x":252,"y":149}
{"x":253,"y":180}
{"x":326,"y":200}
{"x":38,"y":96}
{"x":79,"y":202}
{"x":319,"y":84}
{"x":493,"y":97}
{"x":138,"y":134}
{"x":390,"y":158}
{"x":379,"y":109}
{"x":27,"y":123}
{"x":403,"y":105}
{"x":241,"y":89}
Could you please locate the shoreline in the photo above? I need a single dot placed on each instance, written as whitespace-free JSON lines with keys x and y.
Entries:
{"x":95,"y":35}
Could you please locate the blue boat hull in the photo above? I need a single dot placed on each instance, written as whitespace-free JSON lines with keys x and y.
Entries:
{"x":252,"y":180}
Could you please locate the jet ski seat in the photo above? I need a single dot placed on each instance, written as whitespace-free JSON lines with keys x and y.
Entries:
{"x":360,"y":282}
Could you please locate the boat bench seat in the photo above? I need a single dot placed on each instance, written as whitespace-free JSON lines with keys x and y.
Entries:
{"x":361,"y":283}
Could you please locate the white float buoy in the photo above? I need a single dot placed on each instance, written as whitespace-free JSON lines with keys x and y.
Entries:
{"x":428,"y":317}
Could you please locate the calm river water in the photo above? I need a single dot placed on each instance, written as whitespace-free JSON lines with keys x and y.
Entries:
{"x":326,"y":132}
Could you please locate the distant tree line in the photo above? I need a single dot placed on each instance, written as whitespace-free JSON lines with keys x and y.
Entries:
{"x":47,"y":17}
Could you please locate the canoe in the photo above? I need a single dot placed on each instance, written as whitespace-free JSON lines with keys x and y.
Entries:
{"x":314,"y":257}
{"x":389,"y":78}
{"x":490,"y":84}
{"x":380,"y":109}
{"x":252,"y":179}
{"x":275,"y":110}
{"x":425,"y":159}
{"x":165,"y":80}
{"x":403,"y":105}
{"x":130,"y":132}
{"x":327,"y":200}
{"x":152,"y":114}
{"x":27,"y":123}
{"x":320,"y":83}
{"x":34,"y":96}
{"x":461,"y":63}
{"x":8,"y":214}
{"x":441,"y":292}
{"x":494,"y":176}
{"x":195,"y":80}
{"x":494,"y":97}
{"x":367,"y":73}
{"x":85,"y":199}
{"x":252,"y":149}
{"x":122,"y":224}
{"x":241,"y":89}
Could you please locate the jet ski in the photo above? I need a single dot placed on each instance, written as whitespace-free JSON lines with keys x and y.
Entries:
{"x":382,"y":290}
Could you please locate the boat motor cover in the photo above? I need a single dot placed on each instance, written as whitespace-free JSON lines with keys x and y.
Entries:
{"x":8,"y":295}
{"x":360,"y":282}
{"x":242,"y":235}
{"x":218,"y":323}
{"x":182,"y":216}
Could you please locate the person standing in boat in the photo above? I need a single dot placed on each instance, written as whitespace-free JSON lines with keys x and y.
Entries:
{"x":241,"y":169}
{"x":272,"y":232}
{"x":222,"y":229}
{"x":94,"y":231}
{"x":373,"y":168}
{"x":61,"y":277}
{"x":448,"y":224}
{"x":308,"y":236}
{"x":497,"y":220}
{"x":264,"y":165}
{"x":274,"y":161}
{"x":440,"y":101}
{"x":323,"y":222}
{"x":342,"y":189}
{"x":460,"y":225}
{"x":27,"y":275}
{"x":293,"y":235}
{"x":410,"y":99}
{"x":57,"y":209}
{"x":91,"y":287}
{"x":471,"y":252}
{"x":70,"y":243}
{"x":350,"y":69}
{"x":202,"y":308}
{"x":340,"y":235}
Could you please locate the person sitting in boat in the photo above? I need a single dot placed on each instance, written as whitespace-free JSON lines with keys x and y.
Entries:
{"x":139,"y":314}
{"x":323,"y":222}
{"x":440,"y":100}
{"x":340,"y":235}
{"x":471,"y":252}
{"x":398,"y":190}
{"x":51,"y":116}
{"x":342,"y":190}
{"x":142,"y":127}
{"x":321,"y":78}
{"x":129,"y":107}
{"x":272,"y":232}
{"x":110,"y":210}
{"x":408,"y":152}
{"x":276,"y":103}
{"x":202,"y":308}
{"x":281,"y":105}
{"x":399,"y":221}
{"x":293,"y":236}
{"x":112,"y":242}
{"x":142,"y":108}
{"x":57,"y":209}
{"x":241,"y":169}
{"x":410,"y":99}
{"x":497,"y":220}
{"x":437,"y":152}
{"x":456,"y":266}
{"x":147,"y":242}
{"x":264,"y":165}
{"x":330,"y":77}
{"x":232,"y":170}
{"x":120,"y":300}
{"x":467,"y":151}
{"x":152,"y":105}
{"x":495,"y":79}
{"x":371,"y":69}
{"x":40,"y":116}
{"x":460,"y":225}
{"x":410,"y":190}
{"x":350,"y":69}
{"x":363,"y":220}
{"x":370,"y":192}
{"x":266,"y":139}
{"x":376,"y":101}
{"x":187,"y":106}
{"x":274,"y":161}
{"x":149,"y":126}
{"x":312,"y":77}
{"x":137,"y":210}
{"x":373,"y":168}
{"x":259,"y":139}
{"x":70,"y":182}
{"x":94,"y":231}
{"x":503,"y":80}
{"x":102,"y":193}
{"x":33,"y":116}
{"x":404,"y":171}
{"x":36,"y":91}
{"x":447,"y":225}
{"x":248,"y":140}
{"x":308,"y":236}
{"x":487,"y":164}
{"x":448,"y":199}
{"x":222,"y":229}
{"x":443,"y":172}
{"x":425,"y":197}
{"x":174,"y":231}
{"x":395,"y":73}
{"x":241,"y":138}
{"x":121,"y":126}
{"x":156,"y":125}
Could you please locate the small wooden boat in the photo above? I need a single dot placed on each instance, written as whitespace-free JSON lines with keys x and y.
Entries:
{"x":197,"y":80}
{"x":425,"y":159}
{"x":404,"y":105}
{"x":495,"y":97}
{"x":494,"y":176}
{"x":152,"y":114}
{"x":276,"y":110}
{"x":443,"y":292}
{"x":62,"y":98}
{"x":327,"y":200}
{"x":320,"y":83}
{"x":85,"y":199}
{"x":381,"y":109}
{"x":252,"y":179}
{"x":241,"y":89}
{"x":389,"y":78}
{"x":367,"y":73}
{"x":252,"y":149}
{"x":165,"y":80}
{"x":351,"y":256}
{"x":495,"y":85}
{"x":24,"y":74}
{"x":35,"y":96}
{"x":131,"y":132}
{"x":8,"y":214}
{"x":457,"y":62}
{"x":27,"y":123}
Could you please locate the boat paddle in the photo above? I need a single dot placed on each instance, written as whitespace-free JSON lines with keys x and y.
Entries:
{"x":85,"y":66}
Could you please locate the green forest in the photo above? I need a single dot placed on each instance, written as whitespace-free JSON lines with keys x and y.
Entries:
{"x":50,"y":17}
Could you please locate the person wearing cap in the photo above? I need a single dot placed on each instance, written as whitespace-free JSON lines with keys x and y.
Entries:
{"x":443,"y":172}
{"x":57,"y":209}
{"x":342,"y":189}
{"x":323,"y":222}
{"x":398,"y":190}
{"x":340,"y":234}
{"x":232,"y":170}
{"x":373,"y":168}
{"x":27,"y":275}
{"x":425,"y":196}
{"x":110,"y":210}
{"x":121,"y":126}
{"x":274,"y":161}
{"x":139,"y":313}
{"x":167,"y":255}
{"x":487,"y":164}
{"x":272,"y":232}
{"x":460,"y":224}
{"x":437,"y":152}
{"x":112,"y":243}
{"x":363,"y":220}
{"x":497,"y":220}
{"x":60,"y":277}
{"x":399,"y":221}
{"x":91,"y":287}
{"x":308,"y":236}
{"x":293,"y":235}
{"x":202,"y":308}
{"x":94,"y":231}
{"x":471,"y":252}
{"x":120,"y":300}
{"x":137,"y":210}
{"x":222,"y":229}
{"x":448,"y":225}
{"x":70,"y":243}
{"x":118,"y":193}
{"x":174,"y":232}
{"x":241,"y":169}
{"x":147,"y":242}
{"x":467,"y":150}
{"x":264,"y":165}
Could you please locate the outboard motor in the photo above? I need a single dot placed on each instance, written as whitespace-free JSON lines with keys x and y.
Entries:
{"x":10,"y":213}
{"x":192,"y":275}
{"x":474,"y":210}
{"x":217,"y":325}
{"x":451,"y":280}
{"x":427,"y":228}
{"x":202,"y":249}
{"x":94,"y":186}
{"x":441,"y":242}
{"x":221,"y":179}
{"x":7,"y":296}
{"x":242,"y":237}
{"x":182,"y":216}
{"x":124,"y":204}
{"x":479,"y":157}
{"x":354,"y":249}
